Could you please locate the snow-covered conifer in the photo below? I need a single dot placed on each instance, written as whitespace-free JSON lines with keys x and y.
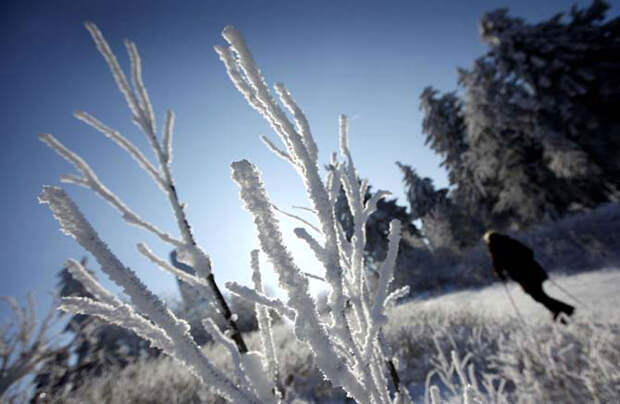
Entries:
{"x":535,"y":133}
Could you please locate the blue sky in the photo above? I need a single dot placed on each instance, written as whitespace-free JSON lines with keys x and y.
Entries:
{"x":367,"y":59}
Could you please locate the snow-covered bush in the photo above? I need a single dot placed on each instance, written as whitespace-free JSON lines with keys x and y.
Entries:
{"x":347,"y":346}
{"x":576,"y":364}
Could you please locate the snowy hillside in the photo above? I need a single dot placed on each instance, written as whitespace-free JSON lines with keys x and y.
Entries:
{"x":540,"y":362}
{"x":600,"y":290}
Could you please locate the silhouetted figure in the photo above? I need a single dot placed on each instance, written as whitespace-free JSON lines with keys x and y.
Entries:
{"x":513,"y":259}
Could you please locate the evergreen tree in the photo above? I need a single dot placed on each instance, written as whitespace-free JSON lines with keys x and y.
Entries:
{"x":446,"y":134}
{"x":421,"y":193}
{"x":444,"y":224}
{"x":570,"y":68}
{"x":445,"y":130}
{"x":506,"y":160}
{"x":536,"y":133}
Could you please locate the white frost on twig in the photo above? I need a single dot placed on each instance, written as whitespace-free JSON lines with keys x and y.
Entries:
{"x":258,"y":298}
{"x":182,"y":275}
{"x":386,"y":273}
{"x":90,"y":180}
{"x":301,"y":219}
{"x":124,"y":143}
{"x":308,"y":327}
{"x":73,"y":223}
{"x":276,"y":150}
{"x":264,"y":321}
{"x":315,"y":246}
{"x":350,"y":355}
{"x":167,"y":138}
{"x":221,"y":338}
{"x":122,"y":315}
{"x":91,"y":285}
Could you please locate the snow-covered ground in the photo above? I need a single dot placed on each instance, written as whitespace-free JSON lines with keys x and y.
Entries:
{"x":538,"y":358}
{"x":599,"y":291}
{"x":575,"y":364}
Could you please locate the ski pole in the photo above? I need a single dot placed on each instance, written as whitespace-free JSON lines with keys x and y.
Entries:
{"x":575,"y":298}
{"x":514,"y":305}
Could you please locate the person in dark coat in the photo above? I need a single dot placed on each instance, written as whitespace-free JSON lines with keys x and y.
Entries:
{"x":513,"y":259}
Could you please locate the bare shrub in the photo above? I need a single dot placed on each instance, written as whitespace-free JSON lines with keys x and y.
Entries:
{"x":23,"y":345}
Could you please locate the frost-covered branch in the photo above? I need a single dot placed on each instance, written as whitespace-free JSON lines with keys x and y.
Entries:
{"x":90,"y":180}
{"x":228,"y":343}
{"x":348,"y":347}
{"x":123,"y":142}
{"x":188,"y":252}
{"x":347,"y":350}
{"x":308,"y":327}
{"x":122,"y":315}
{"x":246,"y":76}
{"x":258,"y":298}
{"x":301,"y":219}
{"x":136,"y":95}
{"x":80,"y":274}
{"x":167,"y":139}
{"x":182,"y":275}
{"x":315,"y":246}
{"x":386,"y":273}
{"x":73,"y":223}
{"x":275,"y":150}
{"x":117,"y":72}
{"x":264,"y":322}
{"x":396,"y":295}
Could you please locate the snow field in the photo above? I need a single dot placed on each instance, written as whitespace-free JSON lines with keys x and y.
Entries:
{"x":538,"y":361}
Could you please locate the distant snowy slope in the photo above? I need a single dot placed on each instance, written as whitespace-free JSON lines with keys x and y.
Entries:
{"x":599,"y":290}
